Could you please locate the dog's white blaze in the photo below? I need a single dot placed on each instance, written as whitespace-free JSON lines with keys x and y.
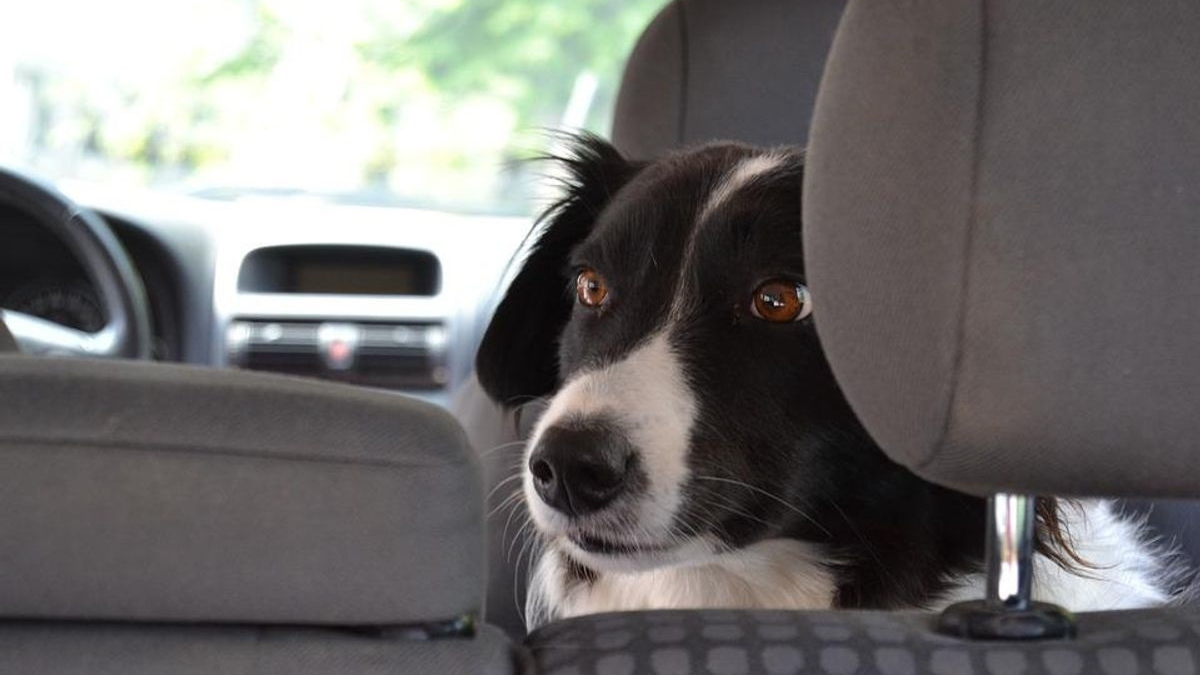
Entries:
{"x":772,"y":574}
{"x":741,"y":175}
{"x":646,"y":395}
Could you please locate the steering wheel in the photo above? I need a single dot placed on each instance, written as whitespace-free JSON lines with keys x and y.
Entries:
{"x":127,"y":332}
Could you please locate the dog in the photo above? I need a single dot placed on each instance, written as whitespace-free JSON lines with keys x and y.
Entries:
{"x":696,"y":450}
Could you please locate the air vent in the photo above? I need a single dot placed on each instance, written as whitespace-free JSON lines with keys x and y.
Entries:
{"x":390,"y":356}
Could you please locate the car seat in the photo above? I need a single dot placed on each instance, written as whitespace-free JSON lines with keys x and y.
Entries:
{"x":166,"y":519}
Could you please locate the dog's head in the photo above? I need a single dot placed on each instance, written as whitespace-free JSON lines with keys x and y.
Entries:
{"x":664,"y":308}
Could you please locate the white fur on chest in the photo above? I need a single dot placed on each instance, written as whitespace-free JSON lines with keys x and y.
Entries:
{"x":1128,"y":572}
{"x":774,"y":574}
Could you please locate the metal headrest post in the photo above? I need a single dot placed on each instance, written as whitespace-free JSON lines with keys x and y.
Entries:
{"x":1009,"y":612}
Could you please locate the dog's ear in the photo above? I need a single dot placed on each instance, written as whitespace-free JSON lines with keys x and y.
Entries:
{"x":518,"y":358}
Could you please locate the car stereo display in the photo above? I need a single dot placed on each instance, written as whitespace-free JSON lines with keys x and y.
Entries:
{"x":350,"y":278}
{"x":343,"y":270}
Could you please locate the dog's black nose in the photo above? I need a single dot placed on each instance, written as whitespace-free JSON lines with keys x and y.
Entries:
{"x":579,"y":470}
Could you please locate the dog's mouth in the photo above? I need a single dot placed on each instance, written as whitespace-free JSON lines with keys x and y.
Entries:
{"x":597,"y":545}
{"x":601,"y":552}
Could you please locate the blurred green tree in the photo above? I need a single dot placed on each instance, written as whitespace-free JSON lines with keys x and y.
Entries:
{"x":428,"y":101}
{"x":528,"y":52}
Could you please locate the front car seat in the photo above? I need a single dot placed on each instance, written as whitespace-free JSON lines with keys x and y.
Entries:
{"x":707,"y":70}
{"x":164,"y":519}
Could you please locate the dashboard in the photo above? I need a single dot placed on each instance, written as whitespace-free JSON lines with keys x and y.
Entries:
{"x":388,"y":298}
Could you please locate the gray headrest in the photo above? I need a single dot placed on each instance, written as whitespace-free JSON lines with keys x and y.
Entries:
{"x":714,"y":69}
{"x":134,"y":491}
{"x":1002,"y":225}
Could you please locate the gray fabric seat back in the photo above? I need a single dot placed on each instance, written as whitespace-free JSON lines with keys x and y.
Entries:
{"x":56,"y":648}
{"x":1001,"y":229}
{"x":717,"y":70}
{"x":142,"y":500}
{"x":1046,"y":174}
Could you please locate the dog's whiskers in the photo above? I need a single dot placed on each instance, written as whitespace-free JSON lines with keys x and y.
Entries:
{"x":497,"y":448}
{"x":518,"y":538}
{"x":728,"y":504}
{"x":776,"y":498}
{"x":513,"y":512}
{"x":536,"y":545}
{"x":506,"y":481}
{"x":509,"y":502}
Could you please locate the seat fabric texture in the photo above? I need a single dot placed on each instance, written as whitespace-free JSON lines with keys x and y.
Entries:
{"x":31,"y":648}
{"x":1164,"y":642}
{"x":164,"y":519}
{"x":716,"y":70}
{"x":980,"y":174}
{"x":134,"y":491}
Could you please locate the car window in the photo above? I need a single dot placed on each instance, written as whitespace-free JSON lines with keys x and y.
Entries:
{"x":425,"y":103}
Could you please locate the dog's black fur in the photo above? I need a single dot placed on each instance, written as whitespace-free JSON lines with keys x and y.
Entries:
{"x":770,"y":412}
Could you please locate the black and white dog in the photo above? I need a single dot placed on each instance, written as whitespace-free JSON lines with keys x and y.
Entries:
{"x":696,"y":450}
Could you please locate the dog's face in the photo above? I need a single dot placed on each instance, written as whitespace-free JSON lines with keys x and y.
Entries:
{"x":665,"y":310}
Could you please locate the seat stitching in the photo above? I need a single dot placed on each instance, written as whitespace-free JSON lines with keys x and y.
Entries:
{"x":968,"y":243}
{"x":202,"y":450}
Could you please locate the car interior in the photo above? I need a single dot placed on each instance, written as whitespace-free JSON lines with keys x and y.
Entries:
{"x":245,"y":437}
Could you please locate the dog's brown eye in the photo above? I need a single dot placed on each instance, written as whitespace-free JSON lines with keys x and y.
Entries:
{"x":781,"y":301}
{"x":590,"y":288}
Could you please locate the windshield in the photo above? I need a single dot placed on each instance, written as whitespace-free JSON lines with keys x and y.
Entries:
{"x":428,"y":103}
